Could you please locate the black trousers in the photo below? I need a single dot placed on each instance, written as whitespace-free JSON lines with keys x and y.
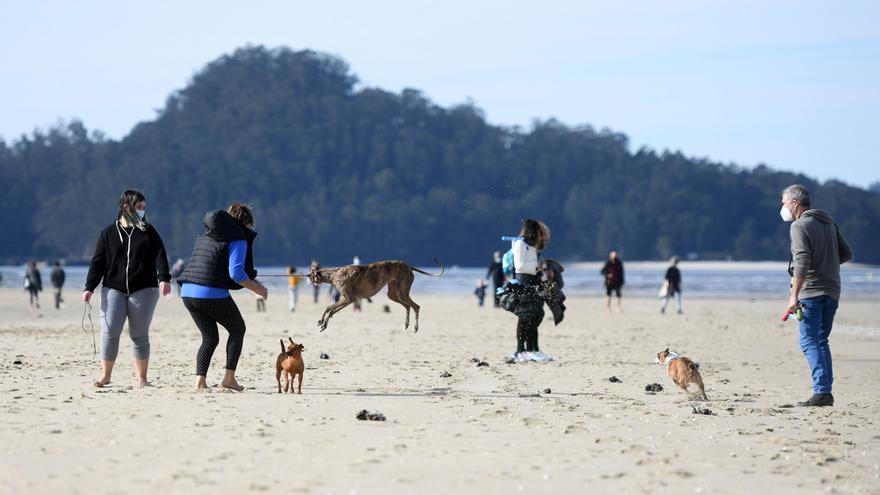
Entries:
{"x":207,"y":313}
{"x":528,"y":323}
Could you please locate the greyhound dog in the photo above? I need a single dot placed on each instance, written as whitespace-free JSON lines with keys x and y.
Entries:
{"x":362,"y":281}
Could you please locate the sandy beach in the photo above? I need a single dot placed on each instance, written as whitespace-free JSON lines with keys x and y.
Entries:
{"x":484,"y":429}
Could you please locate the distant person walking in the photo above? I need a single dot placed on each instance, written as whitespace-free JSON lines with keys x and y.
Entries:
{"x":316,"y":289}
{"x":614,"y":279}
{"x":527,"y":267}
{"x":356,"y":261}
{"x":130,"y":264}
{"x":57,"y":277}
{"x":33,"y":283}
{"x":496,"y":274}
{"x":176,"y":271}
{"x":672,"y":283}
{"x":293,"y":287}
{"x":480,"y":291}
{"x":222,"y":260}
{"x":817,"y":251}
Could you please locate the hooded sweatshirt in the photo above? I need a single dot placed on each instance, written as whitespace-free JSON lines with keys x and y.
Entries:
{"x":817,"y":250}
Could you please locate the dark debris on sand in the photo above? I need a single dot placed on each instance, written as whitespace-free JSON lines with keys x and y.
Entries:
{"x":548,"y":391}
{"x":365,"y":415}
{"x":324,"y":356}
{"x":614,"y":379}
{"x":702,"y":410}
{"x":482,"y":363}
{"x":653,"y":387}
{"x":445,"y":374}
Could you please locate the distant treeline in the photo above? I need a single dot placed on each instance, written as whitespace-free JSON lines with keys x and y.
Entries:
{"x":334,"y":169}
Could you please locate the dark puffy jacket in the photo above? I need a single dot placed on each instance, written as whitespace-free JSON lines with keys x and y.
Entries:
{"x":209,"y":263}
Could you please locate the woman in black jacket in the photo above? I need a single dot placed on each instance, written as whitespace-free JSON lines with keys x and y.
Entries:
{"x":130,"y":264}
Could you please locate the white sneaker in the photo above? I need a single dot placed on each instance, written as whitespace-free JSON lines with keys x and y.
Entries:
{"x":540,"y":357}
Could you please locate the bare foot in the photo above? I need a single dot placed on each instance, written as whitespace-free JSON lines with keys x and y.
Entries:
{"x":232,"y":385}
{"x":103,"y":381}
{"x":142,"y":382}
{"x":201,"y":384}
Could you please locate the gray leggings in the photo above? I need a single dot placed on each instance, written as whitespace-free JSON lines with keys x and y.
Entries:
{"x":138,"y":307}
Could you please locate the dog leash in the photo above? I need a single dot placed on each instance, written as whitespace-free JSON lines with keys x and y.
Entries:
{"x":87,"y":310}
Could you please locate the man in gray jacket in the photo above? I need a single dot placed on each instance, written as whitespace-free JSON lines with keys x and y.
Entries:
{"x":817,"y":251}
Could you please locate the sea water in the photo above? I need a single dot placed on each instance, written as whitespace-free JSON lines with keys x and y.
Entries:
{"x":710,"y":280}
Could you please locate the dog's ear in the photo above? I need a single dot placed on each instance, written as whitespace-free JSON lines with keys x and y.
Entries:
{"x":291,"y":340}
{"x":282,"y":345}
{"x":667,"y":350}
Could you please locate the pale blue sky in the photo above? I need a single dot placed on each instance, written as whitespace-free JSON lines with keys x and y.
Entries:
{"x":792,"y":84}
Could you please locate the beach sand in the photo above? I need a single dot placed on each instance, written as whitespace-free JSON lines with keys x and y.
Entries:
{"x":481,"y":430}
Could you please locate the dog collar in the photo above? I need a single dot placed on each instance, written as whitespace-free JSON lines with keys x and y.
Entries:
{"x":669,"y":359}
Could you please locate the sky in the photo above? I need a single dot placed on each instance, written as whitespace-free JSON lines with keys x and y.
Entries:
{"x":794,"y":85}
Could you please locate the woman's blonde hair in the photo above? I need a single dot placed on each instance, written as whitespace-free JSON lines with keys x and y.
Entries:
{"x":535,"y":233}
{"x":242,"y":212}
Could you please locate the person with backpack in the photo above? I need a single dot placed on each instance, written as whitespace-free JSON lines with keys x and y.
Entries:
{"x":527,"y":271}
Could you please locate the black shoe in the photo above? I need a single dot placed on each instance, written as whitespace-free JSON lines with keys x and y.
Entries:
{"x":818,"y":400}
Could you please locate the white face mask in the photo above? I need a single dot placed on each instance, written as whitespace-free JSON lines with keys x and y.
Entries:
{"x":786,"y":215}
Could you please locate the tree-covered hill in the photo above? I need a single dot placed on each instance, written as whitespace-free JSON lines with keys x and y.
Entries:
{"x":334,"y":169}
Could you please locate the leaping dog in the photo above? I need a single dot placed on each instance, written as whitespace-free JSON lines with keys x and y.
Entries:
{"x":363,"y":281}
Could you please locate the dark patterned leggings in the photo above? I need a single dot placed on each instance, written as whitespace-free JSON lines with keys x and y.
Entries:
{"x":207,"y":313}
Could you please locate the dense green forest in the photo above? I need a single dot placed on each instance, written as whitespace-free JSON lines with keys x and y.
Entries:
{"x":334,"y":169}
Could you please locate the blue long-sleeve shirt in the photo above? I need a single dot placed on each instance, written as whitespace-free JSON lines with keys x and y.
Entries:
{"x":237,"y":251}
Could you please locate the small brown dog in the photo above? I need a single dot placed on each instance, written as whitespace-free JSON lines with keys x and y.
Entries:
{"x":682,"y":370}
{"x":290,"y":361}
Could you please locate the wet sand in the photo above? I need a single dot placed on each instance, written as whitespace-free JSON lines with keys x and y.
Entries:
{"x":480,"y":430}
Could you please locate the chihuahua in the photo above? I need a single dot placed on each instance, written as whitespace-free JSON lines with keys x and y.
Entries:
{"x":291,"y":363}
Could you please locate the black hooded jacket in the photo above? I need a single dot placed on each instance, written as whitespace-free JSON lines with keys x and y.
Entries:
{"x":128,"y":264}
{"x":209,"y":263}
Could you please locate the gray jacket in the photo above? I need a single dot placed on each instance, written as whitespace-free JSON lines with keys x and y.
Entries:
{"x":817,"y":251}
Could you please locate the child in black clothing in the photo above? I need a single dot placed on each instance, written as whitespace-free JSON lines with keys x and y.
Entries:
{"x":480,"y":291}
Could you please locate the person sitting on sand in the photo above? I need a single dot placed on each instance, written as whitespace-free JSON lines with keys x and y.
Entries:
{"x":222,"y":260}
{"x":130,"y":264}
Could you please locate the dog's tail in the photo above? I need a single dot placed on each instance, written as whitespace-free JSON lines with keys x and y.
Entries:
{"x":442,"y":269}
{"x":283,"y":349}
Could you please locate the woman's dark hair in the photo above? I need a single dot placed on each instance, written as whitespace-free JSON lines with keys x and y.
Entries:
{"x":131,"y":198}
{"x":242,"y":212}
{"x":535,"y":233}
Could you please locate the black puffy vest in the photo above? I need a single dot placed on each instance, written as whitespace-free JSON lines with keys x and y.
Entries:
{"x":209,"y":263}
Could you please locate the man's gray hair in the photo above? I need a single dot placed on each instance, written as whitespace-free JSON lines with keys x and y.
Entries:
{"x":798,"y":192}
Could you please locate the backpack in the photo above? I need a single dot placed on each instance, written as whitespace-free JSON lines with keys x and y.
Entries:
{"x":507,"y":263}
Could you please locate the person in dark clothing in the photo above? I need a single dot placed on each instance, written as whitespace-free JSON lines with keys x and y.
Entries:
{"x":672,"y":282}
{"x":57,"y":278}
{"x":496,"y":273}
{"x":480,"y":291}
{"x":614,"y":279}
{"x":33,"y":283}
{"x":315,"y":266}
{"x":222,"y":260}
{"x":130,"y":263}
{"x":534,"y":236}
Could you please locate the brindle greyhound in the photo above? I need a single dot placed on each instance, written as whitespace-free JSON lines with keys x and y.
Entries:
{"x":362,"y":281}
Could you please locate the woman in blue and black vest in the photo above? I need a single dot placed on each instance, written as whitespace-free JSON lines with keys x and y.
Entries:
{"x":222,"y":260}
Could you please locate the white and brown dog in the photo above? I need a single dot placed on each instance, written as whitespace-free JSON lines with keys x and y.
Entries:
{"x":682,"y":370}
